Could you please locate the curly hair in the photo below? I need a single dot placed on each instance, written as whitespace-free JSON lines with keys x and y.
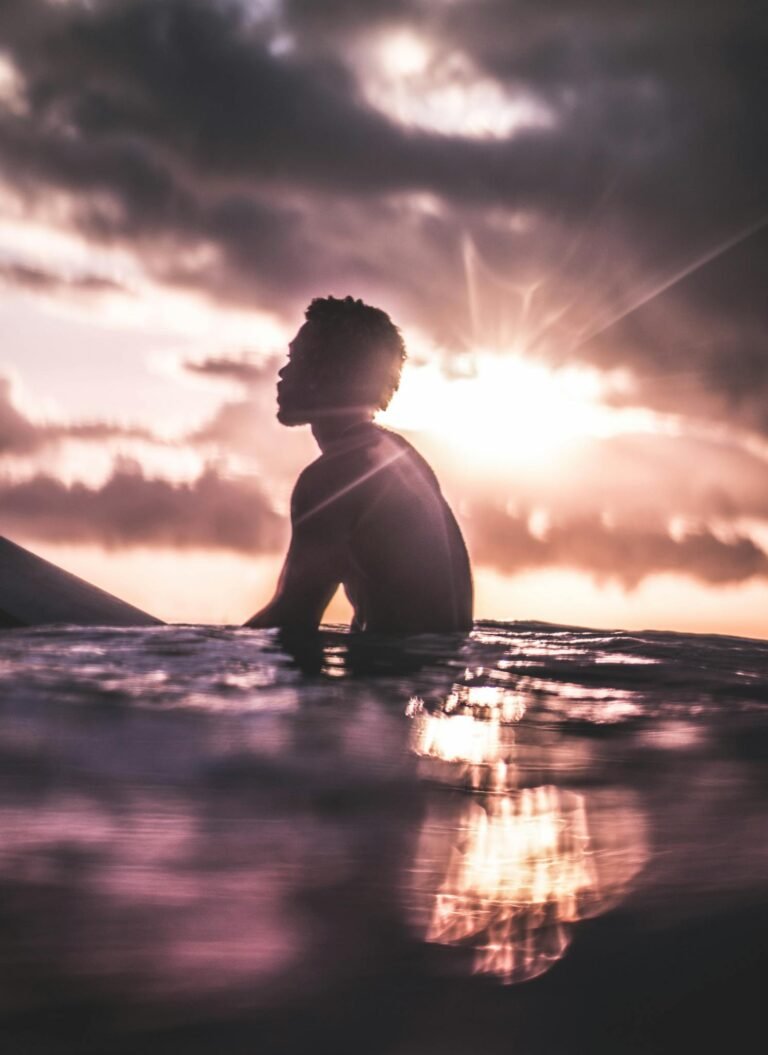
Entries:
{"x":360,"y":348}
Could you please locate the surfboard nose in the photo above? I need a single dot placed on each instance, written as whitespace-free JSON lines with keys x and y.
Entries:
{"x":35,"y":592}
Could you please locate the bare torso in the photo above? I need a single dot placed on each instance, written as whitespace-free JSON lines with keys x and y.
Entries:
{"x":369,"y":514}
{"x":398,"y":549}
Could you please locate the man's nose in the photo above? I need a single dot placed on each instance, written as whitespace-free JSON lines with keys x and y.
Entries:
{"x":281,"y":372}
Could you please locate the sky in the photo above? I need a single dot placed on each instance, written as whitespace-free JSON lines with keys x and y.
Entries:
{"x":562,"y":204}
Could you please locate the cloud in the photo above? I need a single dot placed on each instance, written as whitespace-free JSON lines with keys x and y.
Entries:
{"x":247,"y":425}
{"x":174,"y":121}
{"x":607,"y":513}
{"x":40,"y":280}
{"x":196,"y":91}
{"x":625,"y":554}
{"x":608,"y":510}
{"x":20,"y":435}
{"x":244,"y":371}
{"x":130,"y":509}
{"x":214,"y":511}
{"x":234,"y":148}
{"x":638,"y":479}
{"x":181,"y":125}
{"x":17,"y":434}
{"x":244,"y":428}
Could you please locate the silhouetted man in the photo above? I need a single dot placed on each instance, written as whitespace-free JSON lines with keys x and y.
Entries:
{"x":368,"y":512}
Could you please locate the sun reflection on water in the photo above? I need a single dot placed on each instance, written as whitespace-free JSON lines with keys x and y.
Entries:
{"x":509,"y":870}
{"x":472,"y":729}
{"x":514,"y":880}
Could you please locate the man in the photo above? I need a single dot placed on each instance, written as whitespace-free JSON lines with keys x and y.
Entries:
{"x":368,"y":512}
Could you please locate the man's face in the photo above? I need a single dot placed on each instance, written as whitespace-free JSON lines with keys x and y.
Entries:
{"x":298,"y":392}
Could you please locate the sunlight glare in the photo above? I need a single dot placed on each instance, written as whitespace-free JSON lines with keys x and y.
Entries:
{"x":511,"y":410}
{"x":404,"y":54}
{"x":11,"y":85}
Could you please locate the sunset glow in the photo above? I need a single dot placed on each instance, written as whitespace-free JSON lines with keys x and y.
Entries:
{"x":509,"y":411}
{"x":383,"y":527}
{"x":586,"y":371}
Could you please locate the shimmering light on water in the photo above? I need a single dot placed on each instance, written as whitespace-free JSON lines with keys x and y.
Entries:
{"x":458,"y":739}
{"x":519,"y":863}
{"x":516,"y":873}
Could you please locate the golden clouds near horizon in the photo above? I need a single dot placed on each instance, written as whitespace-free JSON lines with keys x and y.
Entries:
{"x":507,"y":869}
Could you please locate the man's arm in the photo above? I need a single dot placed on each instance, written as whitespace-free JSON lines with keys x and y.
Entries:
{"x":314,"y":566}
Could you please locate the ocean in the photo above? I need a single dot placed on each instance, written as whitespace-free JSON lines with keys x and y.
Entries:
{"x":532,"y":839}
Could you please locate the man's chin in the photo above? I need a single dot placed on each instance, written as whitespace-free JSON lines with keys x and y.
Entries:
{"x":289,"y":417}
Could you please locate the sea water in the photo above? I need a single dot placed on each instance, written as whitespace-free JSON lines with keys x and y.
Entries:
{"x":533,"y":838}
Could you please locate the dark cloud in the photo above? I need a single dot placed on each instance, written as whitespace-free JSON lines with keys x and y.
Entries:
{"x":177,"y":124}
{"x":334,"y":16}
{"x":702,"y":347}
{"x":131,"y":509}
{"x":678,"y":93}
{"x":625,"y":553}
{"x":173,"y":119}
{"x":191,"y":83}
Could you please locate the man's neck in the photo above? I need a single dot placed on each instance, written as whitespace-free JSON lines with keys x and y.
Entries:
{"x":330,"y":428}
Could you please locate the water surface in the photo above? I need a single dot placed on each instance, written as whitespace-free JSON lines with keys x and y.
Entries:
{"x":534,"y":838}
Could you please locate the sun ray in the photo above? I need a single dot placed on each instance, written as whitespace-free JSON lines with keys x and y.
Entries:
{"x":668,"y":283}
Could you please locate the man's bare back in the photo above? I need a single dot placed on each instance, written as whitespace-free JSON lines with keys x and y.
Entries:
{"x":368,"y":513}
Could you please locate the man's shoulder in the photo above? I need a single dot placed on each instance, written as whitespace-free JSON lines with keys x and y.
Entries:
{"x":343,"y":475}
{"x":342,"y":460}
{"x":396,"y":447}
{"x":322,"y":485}
{"x":311,"y":483}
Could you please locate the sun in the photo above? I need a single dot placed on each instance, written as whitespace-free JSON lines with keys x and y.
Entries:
{"x":508,"y":410}
{"x":404,"y":54}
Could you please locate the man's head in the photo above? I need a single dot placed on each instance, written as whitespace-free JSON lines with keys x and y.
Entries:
{"x":346,"y":357}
